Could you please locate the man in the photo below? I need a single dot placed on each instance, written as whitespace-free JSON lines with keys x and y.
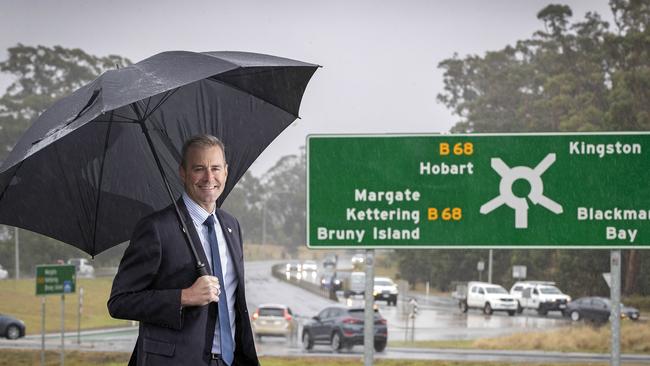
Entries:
{"x":186,"y":320}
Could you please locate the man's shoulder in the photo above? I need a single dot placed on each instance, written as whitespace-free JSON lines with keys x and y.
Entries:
{"x":224,"y":215}
{"x":160,"y":215}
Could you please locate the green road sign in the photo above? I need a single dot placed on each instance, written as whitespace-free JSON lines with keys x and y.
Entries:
{"x":55,"y":279}
{"x":514,"y":190}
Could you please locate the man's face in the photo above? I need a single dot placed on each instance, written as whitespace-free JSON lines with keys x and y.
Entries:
{"x":204,"y":175}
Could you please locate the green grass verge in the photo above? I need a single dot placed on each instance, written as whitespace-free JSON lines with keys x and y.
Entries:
{"x":24,"y":358}
{"x":19,"y":300}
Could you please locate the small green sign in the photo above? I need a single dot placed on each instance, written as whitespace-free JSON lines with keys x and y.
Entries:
{"x":55,"y":279}
{"x":480,"y":190}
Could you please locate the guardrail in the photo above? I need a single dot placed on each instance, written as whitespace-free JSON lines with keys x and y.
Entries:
{"x":279,"y":271}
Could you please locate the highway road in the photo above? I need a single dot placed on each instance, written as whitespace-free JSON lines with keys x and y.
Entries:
{"x":438,"y":319}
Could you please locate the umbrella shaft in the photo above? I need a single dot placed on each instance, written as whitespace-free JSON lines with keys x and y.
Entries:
{"x":200,"y":266}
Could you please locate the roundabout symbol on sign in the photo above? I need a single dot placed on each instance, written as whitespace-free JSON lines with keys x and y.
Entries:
{"x":519,"y":204}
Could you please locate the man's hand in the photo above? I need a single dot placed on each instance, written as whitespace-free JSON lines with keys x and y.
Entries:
{"x":205,"y":290}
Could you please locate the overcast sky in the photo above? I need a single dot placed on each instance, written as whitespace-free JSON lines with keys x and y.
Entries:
{"x":379,"y":57}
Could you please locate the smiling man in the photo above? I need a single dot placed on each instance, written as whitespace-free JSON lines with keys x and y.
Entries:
{"x":186,"y":320}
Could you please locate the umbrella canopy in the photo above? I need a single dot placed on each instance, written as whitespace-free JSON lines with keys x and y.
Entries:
{"x":84,"y":173}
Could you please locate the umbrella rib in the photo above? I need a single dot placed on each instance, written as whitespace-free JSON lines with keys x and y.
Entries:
{"x":19,"y":165}
{"x":246,"y":92}
{"x":167,"y":95}
{"x":101,"y":179}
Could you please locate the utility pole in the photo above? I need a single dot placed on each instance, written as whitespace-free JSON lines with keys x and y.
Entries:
{"x":264,"y":221}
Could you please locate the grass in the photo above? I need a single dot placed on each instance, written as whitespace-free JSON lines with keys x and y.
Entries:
{"x":635,"y":338}
{"x":18,"y":299}
{"x":23,"y":358}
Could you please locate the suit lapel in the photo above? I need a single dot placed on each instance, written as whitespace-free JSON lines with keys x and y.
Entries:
{"x":234,"y":246}
{"x":193,"y":234}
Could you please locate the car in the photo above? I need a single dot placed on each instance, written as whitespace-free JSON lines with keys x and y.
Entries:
{"x":11,"y":328}
{"x":293,"y":266}
{"x":597,"y":310}
{"x":3,"y":273}
{"x":542,"y":296}
{"x":330,"y":261}
{"x":488,"y":297}
{"x":309,"y":266}
{"x":275,"y":320}
{"x":342,"y":327}
{"x":356,"y":284}
{"x":329,"y":280}
{"x":83,"y":267}
{"x":385,"y":289}
{"x":358,"y":258}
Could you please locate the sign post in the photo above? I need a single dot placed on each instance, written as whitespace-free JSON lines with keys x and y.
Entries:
{"x":615,"y":291}
{"x":55,"y":280}
{"x":369,"y":310}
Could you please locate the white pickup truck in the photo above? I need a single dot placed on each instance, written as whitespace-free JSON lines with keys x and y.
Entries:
{"x":83,"y":267}
{"x":488,"y":297}
{"x":541,"y":296}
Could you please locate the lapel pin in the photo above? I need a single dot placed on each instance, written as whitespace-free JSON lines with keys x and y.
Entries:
{"x":229,"y":230}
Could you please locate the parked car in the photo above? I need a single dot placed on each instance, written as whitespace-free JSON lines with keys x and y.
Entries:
{"x":11,"y":328}
{"x":489,"y":297}
{"x":342,"y":327}
{"x":83,"y":267}
{"x":3,"y":273}
{"x":597,"y":309}
{"x":274,"y":320}
{"x":541,"y":296}
{"x":385,"y":289}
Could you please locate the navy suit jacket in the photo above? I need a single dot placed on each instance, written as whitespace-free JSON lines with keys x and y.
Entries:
{"x":147,"y":288}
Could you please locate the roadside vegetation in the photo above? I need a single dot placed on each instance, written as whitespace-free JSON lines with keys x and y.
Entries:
{"x":635,"y":338}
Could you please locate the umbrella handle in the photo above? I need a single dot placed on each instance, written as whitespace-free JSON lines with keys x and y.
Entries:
{"x":201,"y":270}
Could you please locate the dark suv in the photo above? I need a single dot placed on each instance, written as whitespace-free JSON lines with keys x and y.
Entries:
{"x":342,"y":327}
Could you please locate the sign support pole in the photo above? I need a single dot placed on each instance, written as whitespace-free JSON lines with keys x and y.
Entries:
{"x":81,"y":303}
{"x":42,"y":330}
{"x":615,"y":262}
{"x":369,"y":311}
{"x":490,"y":268}
{"x":17,"y":252}
{"x":62,"y":329}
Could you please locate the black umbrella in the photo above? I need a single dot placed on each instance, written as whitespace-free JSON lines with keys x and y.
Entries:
{"x":90,"y":166}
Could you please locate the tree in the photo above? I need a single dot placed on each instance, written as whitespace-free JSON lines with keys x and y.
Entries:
{"x":43,"y":75}
{"x":245,"y":203}
{"x":285,"y":200}
{"x":567,"y":77}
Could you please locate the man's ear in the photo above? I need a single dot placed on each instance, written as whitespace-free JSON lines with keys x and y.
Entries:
{"x":226,"y":171}
{"x":181,"y":172}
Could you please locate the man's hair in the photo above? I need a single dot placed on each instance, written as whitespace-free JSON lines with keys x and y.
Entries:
{"x":202,"y":141}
